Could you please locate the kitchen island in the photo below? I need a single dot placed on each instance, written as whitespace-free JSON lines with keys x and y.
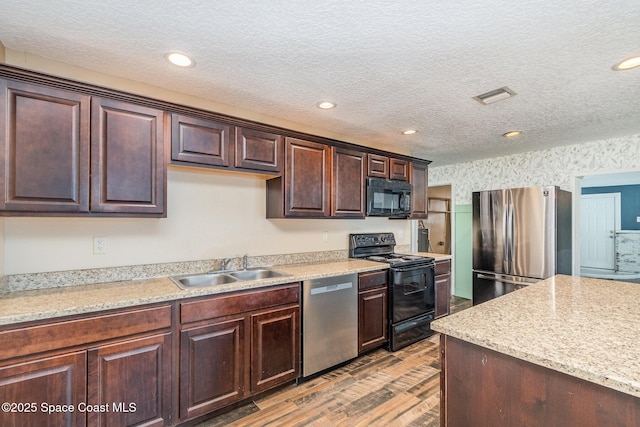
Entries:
{"x":564,"y":352}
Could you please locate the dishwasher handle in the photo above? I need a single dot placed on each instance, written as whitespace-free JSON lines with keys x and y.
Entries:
{"x":331,"y":288}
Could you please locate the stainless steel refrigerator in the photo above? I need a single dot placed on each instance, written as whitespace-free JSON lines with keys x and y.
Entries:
{"x":520,"y":236}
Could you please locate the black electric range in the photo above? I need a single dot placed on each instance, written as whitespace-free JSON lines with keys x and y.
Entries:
{"x":411,"y":286}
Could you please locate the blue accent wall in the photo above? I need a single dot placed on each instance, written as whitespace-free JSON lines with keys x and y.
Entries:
{"x":629,"y":201}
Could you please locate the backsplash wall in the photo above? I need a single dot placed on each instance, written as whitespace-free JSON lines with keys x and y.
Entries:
{"x":555,"y":166}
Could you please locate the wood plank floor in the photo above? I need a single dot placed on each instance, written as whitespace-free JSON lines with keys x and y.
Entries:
{"x":378,"y":389}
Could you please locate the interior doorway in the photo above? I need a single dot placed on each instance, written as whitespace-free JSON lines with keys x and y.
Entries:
{"x":607,"y":228}
{"x":599,"y":220}
{"x":434,"y":233}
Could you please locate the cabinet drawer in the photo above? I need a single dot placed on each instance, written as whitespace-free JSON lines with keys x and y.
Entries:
{"x":371,"y":280}
{"x":227,"y":304}
{"x":443,"y":267}
{"x":52,"y":336}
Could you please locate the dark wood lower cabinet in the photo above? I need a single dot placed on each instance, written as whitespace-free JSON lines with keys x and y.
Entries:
{"x":372,"y":310}
{"x":234,"y":346}
{"x":109,"y":369}
{"x":443,"y":288}
{"x":128,"y":383}
{"x":481,"y":387}
{"x":44,"y":392}
{"x":212,"y":366}
{"x":275,"y":343}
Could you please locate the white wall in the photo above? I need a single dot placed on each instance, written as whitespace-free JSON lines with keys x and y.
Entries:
{"x":557,"y":166}
{"x":210,"y":215}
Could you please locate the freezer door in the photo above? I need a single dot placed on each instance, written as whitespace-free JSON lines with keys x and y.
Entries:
{"x":490,"y":249}
{"x":487,"y":286}
{"x":531,"y":228}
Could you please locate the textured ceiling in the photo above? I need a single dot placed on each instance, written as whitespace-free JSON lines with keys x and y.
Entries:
{"x":389,"y":65}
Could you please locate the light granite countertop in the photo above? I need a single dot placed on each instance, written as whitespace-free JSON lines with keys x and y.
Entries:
{"x":18,"y":307}
{"x":587,"y":328}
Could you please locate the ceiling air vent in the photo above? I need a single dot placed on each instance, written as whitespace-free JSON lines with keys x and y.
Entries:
{"x":495,"y":95}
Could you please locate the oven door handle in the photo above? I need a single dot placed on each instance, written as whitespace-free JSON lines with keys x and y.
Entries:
{"x":415,"y":267}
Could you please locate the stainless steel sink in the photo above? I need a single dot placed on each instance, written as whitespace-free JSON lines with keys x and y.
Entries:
{"x":205,"y":280}
{"x":257,"y":273}
{"x":191,"y":281}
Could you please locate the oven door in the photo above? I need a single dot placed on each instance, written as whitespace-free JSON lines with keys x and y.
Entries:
{"x":412,"y":291}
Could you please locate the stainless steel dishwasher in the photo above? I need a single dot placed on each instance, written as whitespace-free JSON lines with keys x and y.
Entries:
{"x":329,"y":322}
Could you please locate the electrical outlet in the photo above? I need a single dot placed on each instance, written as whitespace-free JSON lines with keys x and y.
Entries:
{"x":638,"y":219}
{"x":325,"y":236}
{"x":400,"y":234}
{"x":99,"y":245}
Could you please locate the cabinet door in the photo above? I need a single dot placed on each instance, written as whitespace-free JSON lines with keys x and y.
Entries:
{"x":212,"y":366}
{"x":200,"y":141}
{"x":419,"y":179}
{"x":307,"y":179}
{"x":443,"y":295}
{"x":127,"y":158}
{"x":129,"y":383}
{"x":59,"y":380}
{"x":258,"y":150}
{"x":398,"y":169}
{"x":372,"y":319}
{"x":377,"y":166}
{"x":347,"y":184}
{"x":44,"y":149}
{"x":275,"y":347}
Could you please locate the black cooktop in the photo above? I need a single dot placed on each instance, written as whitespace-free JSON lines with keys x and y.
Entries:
{"x":380,"y":247}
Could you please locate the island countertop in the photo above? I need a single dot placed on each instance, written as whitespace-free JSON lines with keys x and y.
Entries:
{"x":583,"y":327}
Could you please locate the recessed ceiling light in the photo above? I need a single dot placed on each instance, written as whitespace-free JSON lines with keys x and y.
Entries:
{"x":409,"y":132}
{"x":494,"y":95}
{"x":326,"y":105}
{"x":627,"y":64}
{"x":512,"y":134}
{"x":179,"y":59}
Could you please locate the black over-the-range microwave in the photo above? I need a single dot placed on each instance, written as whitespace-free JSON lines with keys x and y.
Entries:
{"x":388,"y":198}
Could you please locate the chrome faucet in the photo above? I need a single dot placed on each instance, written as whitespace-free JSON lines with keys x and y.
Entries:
{"x":245,"y":261}
{"x":224,"y":262}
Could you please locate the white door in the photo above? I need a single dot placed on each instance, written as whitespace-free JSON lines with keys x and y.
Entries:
{"x":599,"y":219}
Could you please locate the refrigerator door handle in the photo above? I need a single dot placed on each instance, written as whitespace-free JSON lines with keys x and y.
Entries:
{"x":506,"y":267}
{"x":512,"y":236}
{"x":496,"y":279}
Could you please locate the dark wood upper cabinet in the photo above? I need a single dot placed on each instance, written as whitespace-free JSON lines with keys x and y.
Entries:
{"x":258,"y":150}
{"x":398,"y":169}
{"x":377,"y":166}
{"x":200,"y":141}
{"x":419,"y":179}
{"x":304,"y":188}
{"x":307,"y":178}
{"x":74,"y":149}
{"x":348,"y":183}
{"x":44,"y":154}
{"x":127,"y":158}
